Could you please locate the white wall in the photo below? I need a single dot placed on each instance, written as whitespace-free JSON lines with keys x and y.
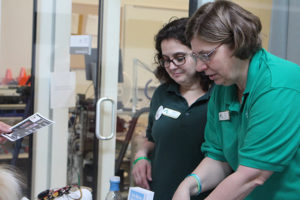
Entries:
{"x":0,"y":20}
{"x":141,"y":20}
{"x":15,"y":36}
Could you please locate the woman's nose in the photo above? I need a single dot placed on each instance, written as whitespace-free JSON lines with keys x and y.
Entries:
{"x":172,"y":66}
{"x":201,"y":66}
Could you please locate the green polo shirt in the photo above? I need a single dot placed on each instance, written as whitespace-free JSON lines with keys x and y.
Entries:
{"x":177,"y":141}
{"x":263,"y":131}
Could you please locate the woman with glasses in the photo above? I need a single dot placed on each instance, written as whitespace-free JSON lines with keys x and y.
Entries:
{"x":252,"y":135}
{"x":172,"y":147}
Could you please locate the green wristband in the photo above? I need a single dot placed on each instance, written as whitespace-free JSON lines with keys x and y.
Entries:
{"x":141,"y":158}
{"x":196,"y":177}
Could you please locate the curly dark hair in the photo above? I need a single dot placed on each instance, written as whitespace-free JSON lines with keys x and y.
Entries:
{"x":175,"y":29}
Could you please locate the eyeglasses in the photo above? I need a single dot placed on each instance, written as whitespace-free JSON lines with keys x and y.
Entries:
{"x":178,"y":61}
{"x":205,"y":57}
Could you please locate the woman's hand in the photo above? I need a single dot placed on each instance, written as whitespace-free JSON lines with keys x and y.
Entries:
{"x":142,"y":168}
{"x":211,"y":172}
{"x":4,"y":128}
{"x":186,"y":189}
{"x":142,"y":173}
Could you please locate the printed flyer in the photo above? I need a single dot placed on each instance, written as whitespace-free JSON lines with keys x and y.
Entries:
{"x":27,"y":127}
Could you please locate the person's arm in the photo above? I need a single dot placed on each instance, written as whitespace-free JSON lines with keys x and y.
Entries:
{"x":4,"y":128}
{"x":142,"y":168}
{"x":239,"y":184}
{"x":211,"y":172}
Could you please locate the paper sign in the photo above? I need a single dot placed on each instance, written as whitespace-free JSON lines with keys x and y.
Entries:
{"x":81,"y":44}
{"x":63,"y":89}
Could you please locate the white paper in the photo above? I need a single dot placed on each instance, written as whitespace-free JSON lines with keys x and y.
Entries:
{"x":81,"y":41}
{"x":138,"y":193}
{"x":63,"y":89}
{"x":27,"y":127}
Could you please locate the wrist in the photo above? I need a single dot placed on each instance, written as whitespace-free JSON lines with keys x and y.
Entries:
{"x":141,"y":158}
{"x":195,"y":184}
{"x":140,"y":153}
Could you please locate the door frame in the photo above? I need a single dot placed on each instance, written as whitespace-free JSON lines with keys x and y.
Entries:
{"x":107,"y":79}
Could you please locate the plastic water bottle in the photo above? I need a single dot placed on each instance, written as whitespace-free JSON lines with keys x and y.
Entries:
{"x":114,"y":190}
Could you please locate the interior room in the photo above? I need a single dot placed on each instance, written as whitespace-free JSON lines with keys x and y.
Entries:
{"x":88,"y":66}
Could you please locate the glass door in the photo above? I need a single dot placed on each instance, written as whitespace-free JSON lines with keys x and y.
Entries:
{"x":91,"y":152}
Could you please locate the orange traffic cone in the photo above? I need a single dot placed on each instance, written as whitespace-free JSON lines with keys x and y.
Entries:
{"x":8,"y":77}
{"x":23,"y":78}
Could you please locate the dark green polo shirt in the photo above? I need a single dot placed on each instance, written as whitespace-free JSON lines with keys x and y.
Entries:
{"x":177,"y":140}
{"x":263,"y":131}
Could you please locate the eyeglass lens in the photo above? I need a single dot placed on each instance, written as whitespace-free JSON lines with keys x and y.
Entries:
{"x":178,"y":61}
{"x":205,"y":57}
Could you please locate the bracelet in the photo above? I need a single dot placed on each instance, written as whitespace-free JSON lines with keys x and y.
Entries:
{"x":198,"y":182}
{"x":141,"y":158}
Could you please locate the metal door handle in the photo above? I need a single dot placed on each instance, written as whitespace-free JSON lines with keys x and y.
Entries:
{"x":98,"y":118}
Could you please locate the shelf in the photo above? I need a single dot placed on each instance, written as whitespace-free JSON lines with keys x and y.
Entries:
{"x":9,"y":156}
{"x":12,"y":106}
{"x":16,"y":119}
{"x":86,"y":2}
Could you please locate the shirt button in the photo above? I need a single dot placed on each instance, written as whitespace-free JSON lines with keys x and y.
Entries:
{"x":187,"y":114}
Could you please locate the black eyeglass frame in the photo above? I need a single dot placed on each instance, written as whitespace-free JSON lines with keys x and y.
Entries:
{"x":162,"y":60}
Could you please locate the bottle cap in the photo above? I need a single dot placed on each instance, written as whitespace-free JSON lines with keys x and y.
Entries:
{"x":115,"y":179}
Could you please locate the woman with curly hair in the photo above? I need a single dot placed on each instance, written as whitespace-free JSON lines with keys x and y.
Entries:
{"x":172,"y":147}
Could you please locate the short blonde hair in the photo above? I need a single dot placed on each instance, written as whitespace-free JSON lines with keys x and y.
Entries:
{"x":11,"y":183}
{"x":227,"y":23}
